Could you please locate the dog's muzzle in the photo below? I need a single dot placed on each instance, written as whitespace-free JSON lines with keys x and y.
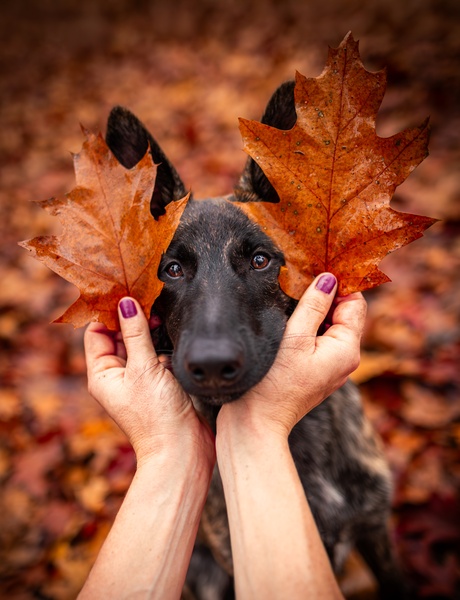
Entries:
{"x":213,"y":364}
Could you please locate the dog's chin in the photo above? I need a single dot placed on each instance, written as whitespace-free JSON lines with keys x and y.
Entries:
{"x":214,"y":396}
{"x":218,"y":399}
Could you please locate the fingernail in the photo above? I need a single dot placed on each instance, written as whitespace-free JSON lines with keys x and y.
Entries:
{"x":128,"y":308}
{"x":326,"y":283}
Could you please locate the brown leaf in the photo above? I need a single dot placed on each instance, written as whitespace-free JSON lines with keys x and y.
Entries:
{"x":427,"y":408}
{"x":426,"y":477}
{"x":111,"y":246}
{"x":373,"y":364}
{"x":335,"y":178}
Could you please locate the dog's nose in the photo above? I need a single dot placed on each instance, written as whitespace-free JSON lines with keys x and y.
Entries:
{"x":214,"y":362}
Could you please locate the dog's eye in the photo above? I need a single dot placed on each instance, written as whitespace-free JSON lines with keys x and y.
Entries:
{"x":174,"y":270}
{"x":260,"y":261}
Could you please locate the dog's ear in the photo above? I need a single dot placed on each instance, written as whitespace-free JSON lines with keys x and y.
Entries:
{"x":280,"y":113}
{"x":128,"y":139}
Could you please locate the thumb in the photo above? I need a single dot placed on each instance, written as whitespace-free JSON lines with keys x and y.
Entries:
{"x":136,"y":333}
{"x":313,"y":306}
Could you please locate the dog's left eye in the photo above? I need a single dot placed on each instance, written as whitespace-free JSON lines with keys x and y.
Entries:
{"x":174,"y":270}
{"x":260,"y":261}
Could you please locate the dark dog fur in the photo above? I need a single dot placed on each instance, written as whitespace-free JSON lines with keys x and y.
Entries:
{"x":223,"y":318}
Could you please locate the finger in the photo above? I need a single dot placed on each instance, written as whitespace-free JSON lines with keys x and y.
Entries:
{"x":349,"y":315}
{"x":120,"y":346}
{"x":313,"y":306}
{"x":347,"y":328}
{"x":136,"y":333}
{"x":100,"y":348}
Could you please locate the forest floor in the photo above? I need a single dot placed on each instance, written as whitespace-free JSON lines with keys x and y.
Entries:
{"x":189,"y":71}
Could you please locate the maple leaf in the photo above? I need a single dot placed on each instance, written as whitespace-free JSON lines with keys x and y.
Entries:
{"x":111,"y":246}
{"x":335,"y":178}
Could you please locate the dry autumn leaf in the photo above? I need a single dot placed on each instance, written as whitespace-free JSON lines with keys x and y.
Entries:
{"x":335,"y":178}
{"x":111,"y":246}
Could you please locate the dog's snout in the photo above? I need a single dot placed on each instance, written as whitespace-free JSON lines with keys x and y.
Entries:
{"x":214,"y":362}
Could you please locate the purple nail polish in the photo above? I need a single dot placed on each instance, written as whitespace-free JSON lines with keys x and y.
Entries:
{"x":326,"y":283}
{"x":128,"y":308}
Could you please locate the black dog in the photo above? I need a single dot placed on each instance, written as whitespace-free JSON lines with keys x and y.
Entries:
{"x":223,"y":318}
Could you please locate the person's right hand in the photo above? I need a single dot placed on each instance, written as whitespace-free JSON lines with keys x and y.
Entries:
{"x":131,"y":382}
{"x":308,"y":367}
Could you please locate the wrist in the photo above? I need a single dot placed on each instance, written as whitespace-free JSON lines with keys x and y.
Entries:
{"x":241,"y":432}
{"x":178,"y":459}
{"x":244,"y":421}
{"x":180,"y":484}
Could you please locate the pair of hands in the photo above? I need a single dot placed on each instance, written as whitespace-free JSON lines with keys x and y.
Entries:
{"x":146,"y":401}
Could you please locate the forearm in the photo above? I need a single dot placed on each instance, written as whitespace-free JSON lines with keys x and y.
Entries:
{"x":271,"y":519}
{"x":148,"y":549}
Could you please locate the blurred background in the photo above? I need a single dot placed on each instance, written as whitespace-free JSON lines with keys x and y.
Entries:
{"x":189,"y":70}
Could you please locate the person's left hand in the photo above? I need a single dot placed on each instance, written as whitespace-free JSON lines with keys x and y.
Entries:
{"x":308,"y":367}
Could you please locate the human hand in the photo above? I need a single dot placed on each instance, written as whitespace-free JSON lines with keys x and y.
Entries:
{"x":142,"y":396}
{"x":308,"y":367}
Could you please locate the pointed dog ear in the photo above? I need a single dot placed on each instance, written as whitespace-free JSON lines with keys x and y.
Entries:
{"x":128,"y":139}
{"x":280,"y":113}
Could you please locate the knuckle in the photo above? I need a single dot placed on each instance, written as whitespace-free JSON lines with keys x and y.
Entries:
{"x":146,"y":370}
{"x":317,"y":305}
{"x":92,"y":386}
{"x":152,"y":367}
{"x":350,"y":361}
{"x":356,"y":359}
{"x":362,"y":309}
{"x":293,"y":344}
{"x":134,"y":333}
{"x":362,"y":303}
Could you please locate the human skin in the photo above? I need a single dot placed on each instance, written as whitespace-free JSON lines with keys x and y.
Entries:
{"x":148,"y":549}
{"x":276,"y":547}
{"x":277,"y":551}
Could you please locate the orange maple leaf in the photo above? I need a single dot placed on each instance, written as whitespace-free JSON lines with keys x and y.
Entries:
{"x":111,"y":246}
{"x":335,"y":178}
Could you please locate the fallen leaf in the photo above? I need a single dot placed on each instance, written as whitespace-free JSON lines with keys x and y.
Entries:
{"x":5,"y":463}
{"x":72,"y":565}
{"x":426,"y":477}
{"x":111,"y":246}
{"x":335,"y":178}
{"x":402,"y":445}
{"x":31,"y":468}
{"x":93,"y":494}
{"x":373,"y":364}
{"x":10,"y":405}
{"x":429,"y":537}
{"x":427,"y":408}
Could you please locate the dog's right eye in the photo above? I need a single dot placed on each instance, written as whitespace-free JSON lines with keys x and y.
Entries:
{"x":174,"y":270}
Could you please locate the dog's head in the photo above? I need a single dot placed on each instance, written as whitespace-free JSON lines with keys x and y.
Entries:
{"x":222,"y":309}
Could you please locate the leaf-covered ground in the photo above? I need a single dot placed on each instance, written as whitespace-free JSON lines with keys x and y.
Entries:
{"x":189,"y":70}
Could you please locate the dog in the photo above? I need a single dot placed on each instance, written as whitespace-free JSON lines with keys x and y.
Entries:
{"x":223,"y":316}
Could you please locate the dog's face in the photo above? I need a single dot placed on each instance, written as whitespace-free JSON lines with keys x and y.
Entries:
{"x":222,"y":308}
{"x":221,"y":303}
